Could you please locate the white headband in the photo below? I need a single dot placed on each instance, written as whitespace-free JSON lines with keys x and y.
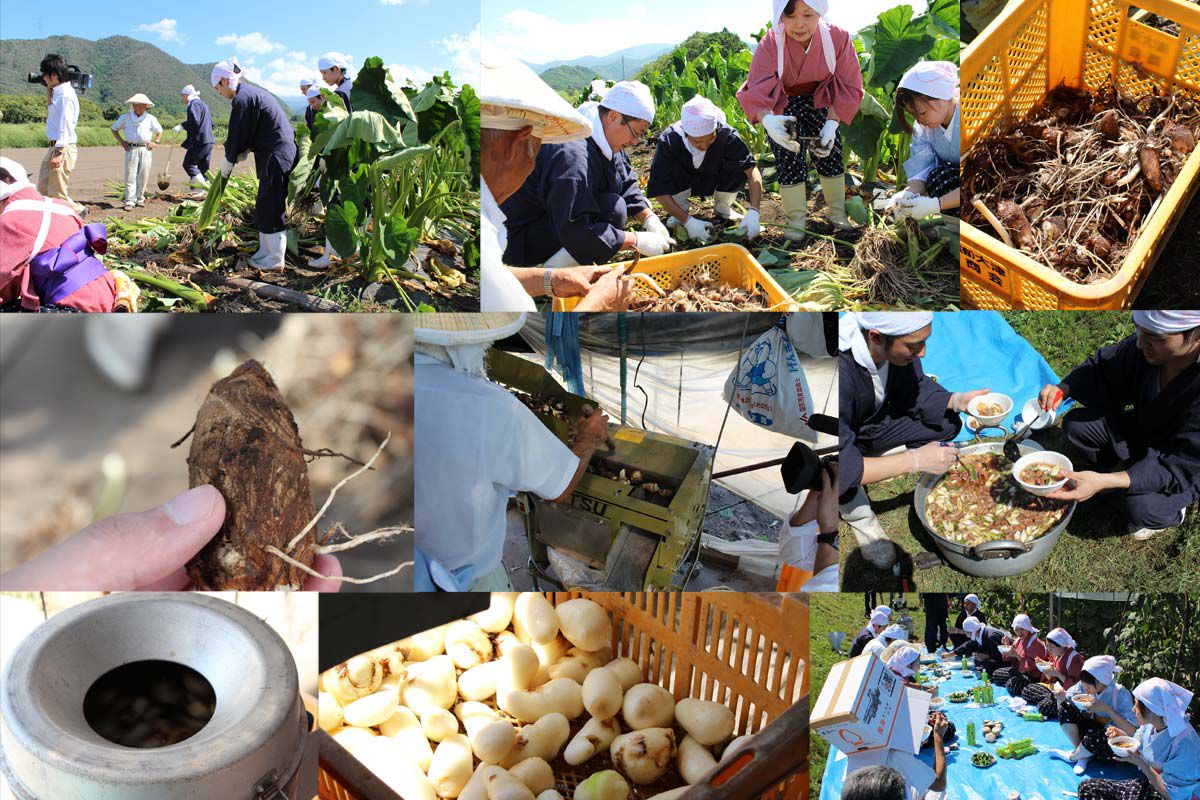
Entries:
{"x":1061,"y":638}
{"x":1023,"y":621}
{"x":851,"y":336}
{"x":229,"y":68}
{"x":631,"y":98}
{"x":333,"y":59}
{"x":20,"y":178}
{"x":901,"y":659}
{"x":819,"y":6}
{"x":1168,"y":700}
{"x":312,"y":92}
{"x":972,"y":598}
{"x":1165,"y":323}
{"x":699,"y":116}
{"x":1102,"y":668}
{"x":936,"y":79}
{"x":883,"y":610}
{"x":895,"y":632}
{"x":970,"y":625}
{"x":879,"y":618}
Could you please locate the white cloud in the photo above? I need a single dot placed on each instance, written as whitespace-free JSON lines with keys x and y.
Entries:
{"x":167,"y":30}
{"x":250,"y":43}
{"x":403,"y":72}
{"x":464,"y":56}
{"x":282,"y":74}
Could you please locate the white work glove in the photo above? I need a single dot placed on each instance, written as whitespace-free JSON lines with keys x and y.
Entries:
{"x":750,"y":227}
{"x":654,"y":225}
{"x":918,"y":207}
{"x":828,"y":135}
{"x":698,"y":229}
{"x":934,"y":458}
{"x":177,"y":128}
{"x":776,"y":127}
{"x":653,"y":244}
{"x":894,"y":201}
{"x":226,"y":168}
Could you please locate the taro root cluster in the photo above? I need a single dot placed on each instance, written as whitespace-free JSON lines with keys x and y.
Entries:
{"x":1073,"y":184}
{"x":704,"y":295}
{"x":550,"y":407}
{"x":614,"y":471}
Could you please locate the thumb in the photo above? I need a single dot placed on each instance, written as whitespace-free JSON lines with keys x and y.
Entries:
{"x":127,"y":551}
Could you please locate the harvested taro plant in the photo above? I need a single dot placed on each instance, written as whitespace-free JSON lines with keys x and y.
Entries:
{"x":247,"y":445}
{"x":1072,"y":185}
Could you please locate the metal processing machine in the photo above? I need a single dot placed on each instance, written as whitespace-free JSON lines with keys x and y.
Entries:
{"x":640,"y":527}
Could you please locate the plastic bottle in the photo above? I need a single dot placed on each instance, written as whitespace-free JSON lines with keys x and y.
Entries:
{"x":971,"y":734}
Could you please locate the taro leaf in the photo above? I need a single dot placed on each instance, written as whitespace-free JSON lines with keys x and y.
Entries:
{"x":403,"y":157}
{"x":375,"y":90}
{"x":328,"y":119}
{"x":945,"y":15}
{"x":298,"y":180}
{"x":355,"y":187}
{"x":468,"y":112}
{"x":340,"y":229}
{"x":398,"y":240}
{"x":899,"y":44}
{"x":208,"y":212}
{"x":857,"y":210}
{"x":365,"y":126}
{"x":793,"y":281}
{"x":944,"y":50}
{"x":293,"y":242}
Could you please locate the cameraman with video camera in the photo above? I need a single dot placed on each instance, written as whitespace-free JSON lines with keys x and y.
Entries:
{"x":62,"y":117}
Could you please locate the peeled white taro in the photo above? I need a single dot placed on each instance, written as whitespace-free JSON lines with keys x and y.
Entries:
{"x":647,"y":706}
{"x":354,"y":678}
{"x":451,"y":766}
{"x":543,"y":739}
{"x":521,"y":667}
{"x":352,"y":738}
{"x":329,"y":712}
{"x":534,"y":773}
{"x":438,"y":723}
{"x":576,"y":665}
{"x":695,"y":761}
{"x":550,"y":794}
{"x":424,"y":645}
{"x":391,"y":763}
{"x":627,"y":671}
{"x":562,"y":696}
{"x":404,"y":727}
{"x":369,"y":711}
{"x":705,"y":721}
{"x":585,"y":624}
{"x":594,"y":737}
{"x":606,"y":785}
{"x":502,"y":785}
{"x":430,"y":684}
{"x":602,"y":693}
{"x":390,"y":657}
{"x":467,"y":645}
{"x":644,"y":756}
{"x":671,"y":794}
{"x":499,"y":612}
{"x":491,"y":737}
{"x":534,"y":618}
{"x":479,"y":683}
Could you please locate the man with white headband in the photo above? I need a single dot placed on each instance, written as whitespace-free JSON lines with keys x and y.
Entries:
{"x":305,"y":83}
{"x":520,"y":114}
{"x":929,"y":92}
{"x":1021,"y":668}
{"x":886,"y":402}
{"x":702,"y":156}
{"x":901,"y":663}
{"x":258,"y":124}
{"x":982,"y":644}
{"x":314,"y":100}
{"x":971,"y":607}
{"x":1107,"y":703}
{"x":333,"y":67}
{"x":1150,"y":453}
{"x":476,"y":446}
{"x":198,"y":144}
{"x":1168,"y":752}
{"x":872,"y":630}
{"x":573,"y":207}
{"x":804,"y":84}
{"x":49,"y":260}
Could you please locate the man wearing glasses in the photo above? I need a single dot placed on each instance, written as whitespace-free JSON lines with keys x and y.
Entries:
{"x":574,"y":206}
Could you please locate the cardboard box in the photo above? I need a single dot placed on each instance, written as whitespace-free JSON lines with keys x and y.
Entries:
{"x":860,"y":707}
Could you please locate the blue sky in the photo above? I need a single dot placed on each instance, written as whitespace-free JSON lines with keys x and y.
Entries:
{"x":276,"y":42}
{"x":538,"y":31}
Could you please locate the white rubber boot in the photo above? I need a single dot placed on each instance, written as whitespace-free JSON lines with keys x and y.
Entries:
{"x":873,"y":541}
{"x":272,"y":247}
{"x":325,"y":259}
{"x":795,"y":206}
{"x":835,"y":197}
{"x":723,"y":206}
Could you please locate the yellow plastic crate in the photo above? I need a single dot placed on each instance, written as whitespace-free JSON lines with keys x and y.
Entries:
{"x":1032,"y":48}
{"x":735,"y":265}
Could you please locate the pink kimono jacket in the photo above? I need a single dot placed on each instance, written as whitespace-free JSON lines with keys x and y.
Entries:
{"x":765,"y":93}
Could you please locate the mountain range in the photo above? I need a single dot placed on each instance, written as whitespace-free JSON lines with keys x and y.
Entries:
{"x":620,"y":65}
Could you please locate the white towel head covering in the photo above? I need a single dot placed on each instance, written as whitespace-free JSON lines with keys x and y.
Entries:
{"x":20,"y":178}
{"x":312,"y":92}
{"x":513,"y":97}
{"x":901,"y":659}
{"x":1023,"y":621}
{"x":699,"y":116}
{"x":307,"y":81}
{"x":882,"y":609}
{"x":819,"y":6}
{"x":333,"y":59}
{"x":893,"y":632}
{"x":937,"y":79}
{"x":189,"y":92}
{"x":852,"y":327}
{"x":229,"y":68}
{"x":1061,"y":638}
{"x":1165,"y":323}
{"x":973,"y":598}
{"x":631,"y":98}
{"x":1168,"y":700}
{"x":971,"y":625}
{"x":1102,"y":668}
{"x":879,"y":618}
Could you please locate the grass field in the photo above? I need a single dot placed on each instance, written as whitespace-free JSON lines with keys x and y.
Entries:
{"x":33,"y":134}
{"x":1092,"y":552}
{"x":837,"y":612}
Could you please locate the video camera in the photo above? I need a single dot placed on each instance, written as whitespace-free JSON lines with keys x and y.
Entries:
{"x":82,"y":81}
{"x":803,"y":466}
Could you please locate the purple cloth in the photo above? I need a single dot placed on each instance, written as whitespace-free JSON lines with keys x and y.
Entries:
{"x":63,"y":270}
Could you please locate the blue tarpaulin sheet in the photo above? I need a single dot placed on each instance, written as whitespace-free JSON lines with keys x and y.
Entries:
{"x":980,"y":350}
{"x":1036,"y":776}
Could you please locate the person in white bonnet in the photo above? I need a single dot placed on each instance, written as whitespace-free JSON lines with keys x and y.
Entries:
{"x":1138,"y":433}
{"x":520,"y":114}
{"x":198,"y":143}
{"x":886,"y":403}
{"x":702,"y":156}
{"x":929,"y":91}
{"x":476,"y":446}
{"x":138,"y":132}
{"x":574,"y":206}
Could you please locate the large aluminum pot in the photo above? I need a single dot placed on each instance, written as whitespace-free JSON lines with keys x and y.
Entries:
{"x":990,"y":559}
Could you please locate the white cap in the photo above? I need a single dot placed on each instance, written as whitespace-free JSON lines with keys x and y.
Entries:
{"x":312,"y":92}
{"x":512,"y":97}
{"x":229,"y":68}
{"x":879,"y":618}
{"x":631,"y":98}
{"x":20,"y":178}
{"x":1165,"y":323}
{"x":1102,"y":668}
{"x":884,"y":609}
{"x":333,"y":59}
{"x":895,"y":632}
{"x":189,"y":89}
{"x":901,"y":659}
{"x":307,"y":81}
{"x":1023,"y":621}
{"x":937,"y":79}
{"x":699,"y":116}
{"x":972,"y":598}
{"x":1168,"y":700}
{"x":970,"y":625}
{"x":1060,"y":637}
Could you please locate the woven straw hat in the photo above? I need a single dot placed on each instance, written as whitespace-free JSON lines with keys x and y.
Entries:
{"x":449,"y":330}
{"x":139,"y":98}
{"x":512,"y":96}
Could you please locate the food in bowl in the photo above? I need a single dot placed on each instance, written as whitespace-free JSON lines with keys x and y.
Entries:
{"x":1043,"y":665}
{"x":982,"y":760}
{"x":978,"y":500}
{"x":957,"y":697}
{"x":986,"y":409}
{"x":1004,"y":648}
{"x":1042,"y":474}
{"x":1084,"y":701}
{"x":927,"y":733}
{"x":937,"y":704}
{"x":1123,"y":745}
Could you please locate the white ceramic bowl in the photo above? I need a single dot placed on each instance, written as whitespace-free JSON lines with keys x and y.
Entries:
{"x":1041,"y":457}
{"x":1041,"y":418}
{"x":1122,"y":745}
{"x":1043,"y":665}
{"x":928,"y":732}
{"x":1004,"y":649}
{"x":1003,"y":400}
{"x":937,"y":704}
{"x":1082,"y":703}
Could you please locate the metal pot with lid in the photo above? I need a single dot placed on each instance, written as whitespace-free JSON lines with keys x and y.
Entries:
{"x":249,"y":748}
